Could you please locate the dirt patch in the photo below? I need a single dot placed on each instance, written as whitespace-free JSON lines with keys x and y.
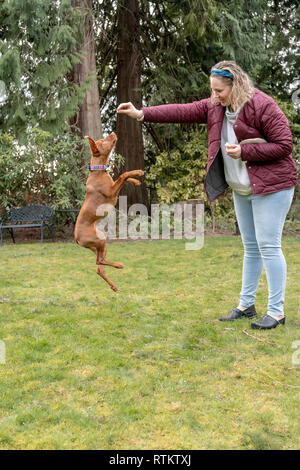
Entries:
{"x":63,"y":233}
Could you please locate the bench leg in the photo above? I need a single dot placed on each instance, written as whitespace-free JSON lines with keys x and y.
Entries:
{"x":52,"y":232}
{"x":12,"y":234}
{"x":50,"y":229}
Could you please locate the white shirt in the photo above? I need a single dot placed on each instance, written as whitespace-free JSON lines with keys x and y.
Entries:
{"x":236,"y":173}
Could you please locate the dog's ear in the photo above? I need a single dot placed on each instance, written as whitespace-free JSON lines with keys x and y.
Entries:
{"x":92,"y":144}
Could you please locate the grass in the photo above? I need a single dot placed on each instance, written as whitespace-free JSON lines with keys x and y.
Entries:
{"x":149,"y":367}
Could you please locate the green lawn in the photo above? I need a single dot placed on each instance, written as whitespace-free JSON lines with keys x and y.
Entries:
{"x":149,"y":367}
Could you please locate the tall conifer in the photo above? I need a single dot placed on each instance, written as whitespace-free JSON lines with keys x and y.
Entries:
{"x":37,"y":43}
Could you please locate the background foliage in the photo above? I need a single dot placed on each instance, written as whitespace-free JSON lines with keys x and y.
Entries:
{"x":178,"y":42}
{"x":46,"y":170}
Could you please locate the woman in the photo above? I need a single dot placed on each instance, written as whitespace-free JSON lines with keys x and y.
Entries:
{"x":250,"y":145}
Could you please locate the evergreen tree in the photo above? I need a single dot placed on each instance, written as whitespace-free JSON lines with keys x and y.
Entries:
{"x":129,"y":75}
{"x":280,"y":74}
{"x":87,"y":119}
{"x":37,"y":43}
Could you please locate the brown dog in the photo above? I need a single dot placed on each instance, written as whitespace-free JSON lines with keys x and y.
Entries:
{"x":100,"y":191}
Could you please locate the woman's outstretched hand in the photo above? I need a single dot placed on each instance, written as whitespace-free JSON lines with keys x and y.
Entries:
{"x":130,"y":110}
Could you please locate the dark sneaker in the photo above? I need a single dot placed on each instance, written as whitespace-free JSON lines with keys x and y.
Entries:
{"x":236,"y":313}
{"x":267,"y":322}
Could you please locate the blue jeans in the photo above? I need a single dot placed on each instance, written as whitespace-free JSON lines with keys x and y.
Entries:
{"x":261,"y":220}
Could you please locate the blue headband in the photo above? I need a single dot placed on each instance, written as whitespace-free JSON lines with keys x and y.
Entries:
{"x":224,"y":73}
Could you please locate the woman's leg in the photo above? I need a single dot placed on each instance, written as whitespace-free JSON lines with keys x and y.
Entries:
{"x":252,"y":264}
{"x":269,"y":213}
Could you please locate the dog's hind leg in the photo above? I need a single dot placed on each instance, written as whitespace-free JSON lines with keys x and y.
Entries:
{"x":100,"y":259}
{"x":101,"y":251}
{"x":101,"y":272}
{"x":112,"y":263}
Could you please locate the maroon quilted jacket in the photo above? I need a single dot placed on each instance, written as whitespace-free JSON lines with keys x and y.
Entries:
{"x":270,"y":165}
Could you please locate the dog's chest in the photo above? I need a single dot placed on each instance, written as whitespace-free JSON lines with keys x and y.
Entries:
{"x":98,"y":187}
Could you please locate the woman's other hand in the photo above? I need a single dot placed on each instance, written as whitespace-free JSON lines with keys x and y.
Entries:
{"x":130,"y":110}
{"x":234,"y":151}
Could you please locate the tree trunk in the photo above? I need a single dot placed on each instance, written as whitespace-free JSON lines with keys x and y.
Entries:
{"x":88,"y":118}
{"x":129,"y":65}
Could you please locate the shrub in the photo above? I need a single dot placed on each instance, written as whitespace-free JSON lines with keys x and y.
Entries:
{"x":48,"y":169}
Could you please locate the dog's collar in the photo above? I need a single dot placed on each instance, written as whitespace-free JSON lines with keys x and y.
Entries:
{"x":98,"y":167}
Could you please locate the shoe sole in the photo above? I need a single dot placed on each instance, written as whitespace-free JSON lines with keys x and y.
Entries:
{"x":258,"y":327}
{"x":239,"y":318}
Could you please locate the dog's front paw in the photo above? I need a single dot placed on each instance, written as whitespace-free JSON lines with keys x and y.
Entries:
{"x":134,"y":181}
{"x":119,"y":265}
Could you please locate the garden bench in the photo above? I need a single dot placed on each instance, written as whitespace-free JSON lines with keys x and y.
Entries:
{"x":28,"y":217}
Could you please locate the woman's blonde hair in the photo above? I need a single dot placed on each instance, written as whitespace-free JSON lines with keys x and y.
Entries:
{"x":242,"y":86}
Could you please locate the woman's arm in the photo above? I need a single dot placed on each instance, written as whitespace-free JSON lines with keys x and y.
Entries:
{"x":276,"y":131}
{"x":172,"y":113}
